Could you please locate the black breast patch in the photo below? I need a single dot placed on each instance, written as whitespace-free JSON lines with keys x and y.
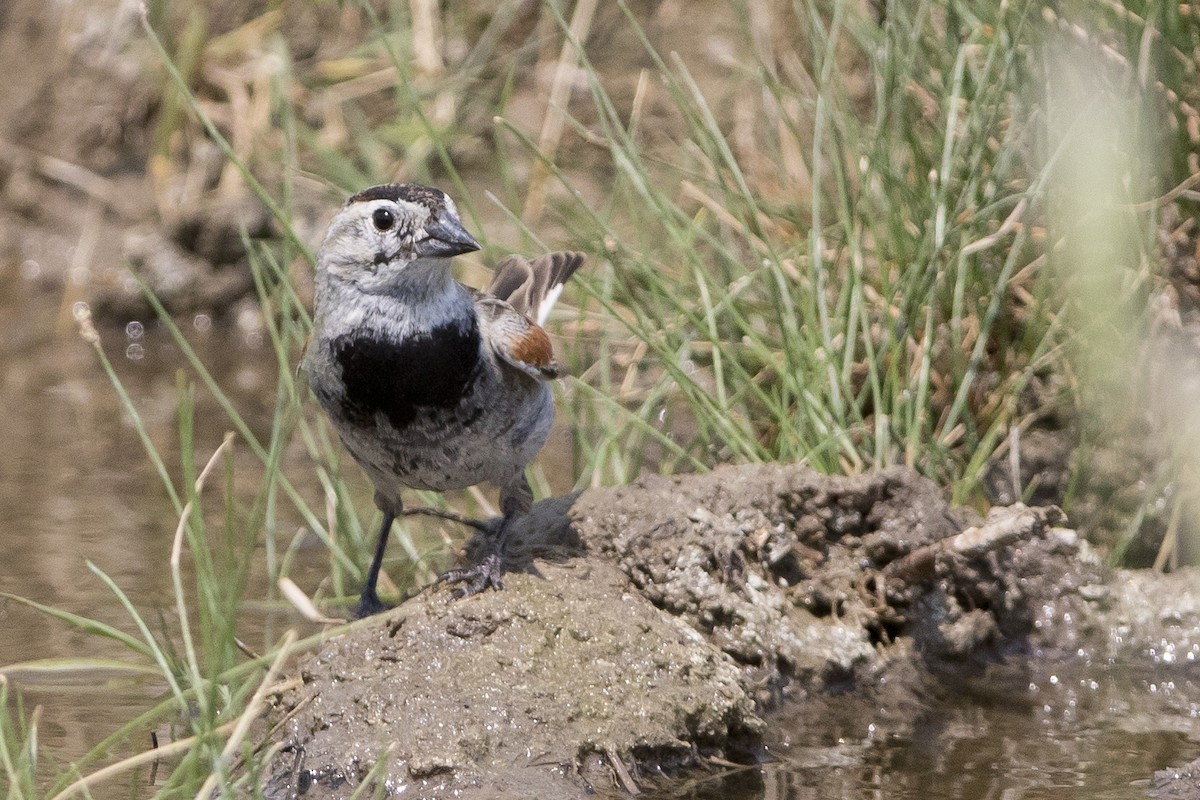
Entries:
{"x":400,"y":378}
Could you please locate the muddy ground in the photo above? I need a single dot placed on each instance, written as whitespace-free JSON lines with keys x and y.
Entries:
{"x":682,"y":624}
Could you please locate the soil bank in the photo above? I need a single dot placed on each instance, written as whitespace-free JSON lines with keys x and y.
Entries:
{"x":661,"y":627}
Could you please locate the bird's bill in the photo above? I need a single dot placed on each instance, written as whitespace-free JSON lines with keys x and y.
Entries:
{"x":445,"y":238}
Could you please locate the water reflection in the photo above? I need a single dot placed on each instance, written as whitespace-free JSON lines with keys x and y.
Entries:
{"x":76,"y":487}
{"x":1079,"y":732}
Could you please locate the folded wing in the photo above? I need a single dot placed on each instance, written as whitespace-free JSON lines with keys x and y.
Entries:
{"x":524,"y":290}
{"x":516,"y":339}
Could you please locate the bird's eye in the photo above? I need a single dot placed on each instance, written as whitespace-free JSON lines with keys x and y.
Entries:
{"x":383,"y":219}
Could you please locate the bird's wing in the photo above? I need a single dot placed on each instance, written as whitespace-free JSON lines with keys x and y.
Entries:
{"x":532,"y":285}
{"x":516,"y":339}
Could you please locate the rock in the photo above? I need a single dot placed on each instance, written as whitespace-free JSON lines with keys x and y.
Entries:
{"x":1180,"y":783}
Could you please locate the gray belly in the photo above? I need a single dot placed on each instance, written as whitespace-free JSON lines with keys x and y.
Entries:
{"x":444,"y":448}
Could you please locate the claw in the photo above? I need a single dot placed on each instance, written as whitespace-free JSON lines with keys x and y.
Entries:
{"x":479,"y":578}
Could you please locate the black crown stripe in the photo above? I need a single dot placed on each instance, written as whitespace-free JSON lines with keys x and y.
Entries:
{"x":409,"y":192}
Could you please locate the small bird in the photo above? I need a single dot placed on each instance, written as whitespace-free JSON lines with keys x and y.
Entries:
{"x":431,"y":384}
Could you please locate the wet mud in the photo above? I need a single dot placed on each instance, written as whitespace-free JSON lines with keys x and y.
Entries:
{"x":685,"y":624}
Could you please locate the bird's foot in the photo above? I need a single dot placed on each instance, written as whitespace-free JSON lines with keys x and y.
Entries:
{"x":479,"y":578}
{"x":369,"y":604}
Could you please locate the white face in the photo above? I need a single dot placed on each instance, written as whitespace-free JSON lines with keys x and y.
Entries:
{"x":370,"y":236}
{"x":384,"y":230}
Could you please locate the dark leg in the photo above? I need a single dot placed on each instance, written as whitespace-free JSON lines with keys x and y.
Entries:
{"x":515,"y":500}
{"x":449,"y":516}
{"x":369,"y":602}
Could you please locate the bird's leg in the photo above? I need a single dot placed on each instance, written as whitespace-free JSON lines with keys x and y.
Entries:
{"x":516,"y":499}
{"x":369,"y":602}
{"x":449,"y":516}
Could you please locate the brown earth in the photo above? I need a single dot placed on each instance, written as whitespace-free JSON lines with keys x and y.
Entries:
{"x":682,"y":623}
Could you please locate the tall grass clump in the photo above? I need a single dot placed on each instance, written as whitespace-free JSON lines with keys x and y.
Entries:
{"x":1120,"y":98}
{"x":843,"y":257}
{"x":213,"y":691}
{"x":823,"y":268}
{"x":840,"y":252}
{"x":18,"y":744}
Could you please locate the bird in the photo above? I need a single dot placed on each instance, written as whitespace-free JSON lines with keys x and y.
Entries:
{"x":431,"y":384}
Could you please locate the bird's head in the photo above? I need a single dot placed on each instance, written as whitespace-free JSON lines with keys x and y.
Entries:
{"x":384,"y":231}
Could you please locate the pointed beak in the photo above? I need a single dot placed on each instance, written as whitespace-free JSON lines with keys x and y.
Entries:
{"x":445,"y":238}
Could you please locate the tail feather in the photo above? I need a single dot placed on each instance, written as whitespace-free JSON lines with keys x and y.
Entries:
{"x":533,"y":285}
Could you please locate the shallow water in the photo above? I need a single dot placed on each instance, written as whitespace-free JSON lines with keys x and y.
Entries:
{"x":76,"y":487}
{"x":1071,"y":732}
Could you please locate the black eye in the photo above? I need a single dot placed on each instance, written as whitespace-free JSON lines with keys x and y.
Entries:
{"x":383,"y":219}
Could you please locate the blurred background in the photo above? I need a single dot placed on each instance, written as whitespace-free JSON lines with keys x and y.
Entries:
{"x":959,"y":236}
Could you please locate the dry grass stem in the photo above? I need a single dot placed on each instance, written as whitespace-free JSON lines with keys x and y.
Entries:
{"x":254,"y":709}
{"x":556,"y":105}
{"x":1008,"y":226}
{"x":304,"y":604}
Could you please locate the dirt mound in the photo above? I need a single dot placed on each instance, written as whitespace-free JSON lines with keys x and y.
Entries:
{"x":511,"y":693}
{"x":647,"y":626}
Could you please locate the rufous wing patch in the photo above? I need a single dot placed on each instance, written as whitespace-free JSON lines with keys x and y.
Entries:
{"x":533,"y":348}
{"x":518,"y":340}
